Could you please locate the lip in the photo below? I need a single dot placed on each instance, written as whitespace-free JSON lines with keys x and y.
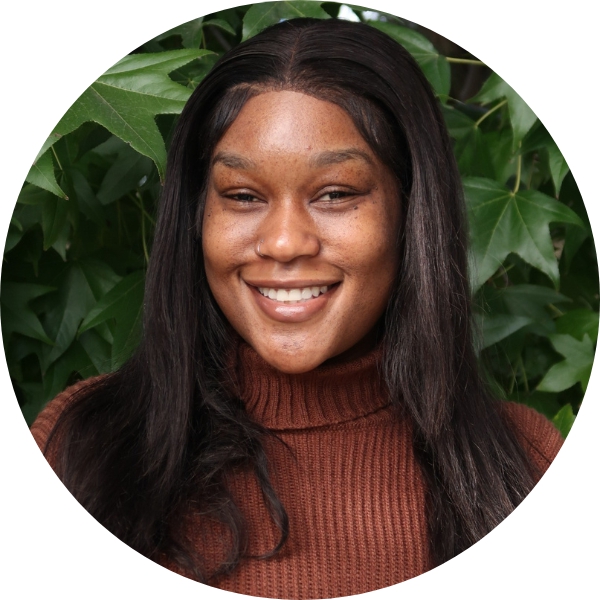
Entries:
{"x":291,"y":313}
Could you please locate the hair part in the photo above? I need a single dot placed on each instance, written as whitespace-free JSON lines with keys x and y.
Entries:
{"x":169,"y":422}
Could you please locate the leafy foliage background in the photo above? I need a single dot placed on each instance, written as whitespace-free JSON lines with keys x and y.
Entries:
{"x":79,"y":239}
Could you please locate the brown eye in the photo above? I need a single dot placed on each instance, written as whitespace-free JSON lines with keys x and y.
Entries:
{"x":244,"y":197}
{"x":335,"y":196}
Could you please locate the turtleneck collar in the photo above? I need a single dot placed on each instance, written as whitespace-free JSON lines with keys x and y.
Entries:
{"x":335,"y":392}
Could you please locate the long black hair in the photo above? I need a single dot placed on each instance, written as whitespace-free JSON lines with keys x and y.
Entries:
{"x":164,"y":431}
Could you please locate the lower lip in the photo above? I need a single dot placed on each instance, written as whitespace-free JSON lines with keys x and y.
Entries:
{"x":292,"y":313}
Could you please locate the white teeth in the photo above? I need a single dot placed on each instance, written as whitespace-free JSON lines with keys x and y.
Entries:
{"x":293,"y":295}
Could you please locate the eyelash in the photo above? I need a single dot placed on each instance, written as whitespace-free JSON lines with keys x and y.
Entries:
{"x":249,"y":198}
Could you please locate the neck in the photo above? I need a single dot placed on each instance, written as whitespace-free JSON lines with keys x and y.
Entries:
{"x":344,"y":388}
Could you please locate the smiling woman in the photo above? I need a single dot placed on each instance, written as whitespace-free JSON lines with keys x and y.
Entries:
{"x":304,"y":416}
{"x":294,"y":173}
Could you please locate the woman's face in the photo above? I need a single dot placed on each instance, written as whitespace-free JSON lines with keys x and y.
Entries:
{"x":299,"y":231}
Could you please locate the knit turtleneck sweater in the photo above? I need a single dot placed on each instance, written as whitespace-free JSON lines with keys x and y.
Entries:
{"x":346,"y":475}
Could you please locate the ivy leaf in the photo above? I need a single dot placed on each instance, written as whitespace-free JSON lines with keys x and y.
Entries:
{"x":221,"y":24}
{"x":87,"y":201}
{"x":128,"y":329}
{"x":503,"y":222}
{"x":498,"y":326}
{"x":17,"y":316}
{"x":539,"y":138}
{"x":577,"y":366}
{"x":558,"y":165}
{"x":522,"y":118}
{"x":564,"y":419}
{"x":115,"y":302}
{"x":578,"y":323}
{"x":74,"y":360}
{"x":54,"y":219}
{"x":433,"y":64}
{"x":123,"y":175}
{"x":42,"y":175}
{"x":264,"y":14}
{"x":75,"y":299}
{"x":127,"y":98}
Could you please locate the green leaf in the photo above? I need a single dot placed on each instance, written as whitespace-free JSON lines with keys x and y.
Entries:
{"x":503,"y":222}
{"x":558,"y":165}
{"x":127,"y":98}
{"x":54,"y":219}
{"x":87,"y":201}
{"x":98,"y":350}
{"x":221,"y":24}
{"x":124,"y":175}
{"x":15,"y":233}
{"x":496,"y":327}
{"x":75,"y":299}
{"x":74,"y":360}
{"x":578,"y":323}
{"x":17,"y":316}
{"x":116,"y":301}
{"x":190,"y":33}
{"x":433,"y":64}
{"x":128,"y":328}
{"x":526,"y":301}
{"x":473,"y":155}
{"x":99,"y":276}
{"x":42,"y":175}
{"x":577,"y":366}
{"x":522,"y":118}
{"x":260,"y":16}
{"x":564,"y":420}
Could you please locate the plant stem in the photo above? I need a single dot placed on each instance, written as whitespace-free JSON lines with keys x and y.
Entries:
{"x":557,"y":311}
{"x":518,"y":177}
{"x":144,"y":246}
{"x":489,"y":112}
{"x":56,"y":157}
{"x":464,"y":61}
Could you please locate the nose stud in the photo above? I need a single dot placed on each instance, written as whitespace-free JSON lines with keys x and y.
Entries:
{"x":258,"y":249}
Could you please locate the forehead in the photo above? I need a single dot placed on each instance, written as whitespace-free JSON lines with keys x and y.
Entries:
{"x":287,"y":122}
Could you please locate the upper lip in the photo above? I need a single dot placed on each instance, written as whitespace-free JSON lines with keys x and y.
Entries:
{"x":289,"y":284}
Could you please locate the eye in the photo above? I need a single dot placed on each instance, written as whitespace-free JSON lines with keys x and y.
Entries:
{"x":243,"y":197}
{"x":336,"y":196}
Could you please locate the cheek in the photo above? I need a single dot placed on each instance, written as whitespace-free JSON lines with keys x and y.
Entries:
{"x":224,"y":241}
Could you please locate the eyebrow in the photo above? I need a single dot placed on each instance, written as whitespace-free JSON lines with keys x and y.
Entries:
{"x":334,"y":157}
{"x":233,"y":161}
{"x":323,"y":159}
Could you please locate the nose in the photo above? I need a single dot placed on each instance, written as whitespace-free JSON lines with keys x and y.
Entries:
{"x":288,"y":232}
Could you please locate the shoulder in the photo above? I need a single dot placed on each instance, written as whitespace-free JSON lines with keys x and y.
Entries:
{"x":538,"y":436}
{"x":47,"y":419}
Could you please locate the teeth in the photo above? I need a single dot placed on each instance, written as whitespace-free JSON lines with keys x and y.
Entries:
{"x":293,"y":295}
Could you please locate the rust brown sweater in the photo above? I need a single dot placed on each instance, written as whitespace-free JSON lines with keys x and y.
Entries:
{"x":349,"y":482}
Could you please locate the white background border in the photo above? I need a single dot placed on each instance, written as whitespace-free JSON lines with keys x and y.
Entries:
{"x":52,"y":51}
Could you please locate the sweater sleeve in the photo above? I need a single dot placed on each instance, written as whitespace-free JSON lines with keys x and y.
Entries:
{"x":44,"y":423}
{"x":538,"y":436}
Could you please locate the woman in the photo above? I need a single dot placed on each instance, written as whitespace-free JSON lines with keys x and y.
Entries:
{"x":304,"y":416}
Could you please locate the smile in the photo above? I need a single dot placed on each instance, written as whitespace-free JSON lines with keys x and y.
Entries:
{"x":293,"y":304}
{"x":294,"y":295}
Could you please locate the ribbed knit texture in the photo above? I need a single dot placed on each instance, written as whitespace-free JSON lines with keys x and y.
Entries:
{"x":347,"y":478}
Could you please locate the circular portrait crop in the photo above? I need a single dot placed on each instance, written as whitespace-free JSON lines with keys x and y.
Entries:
{"x":300,"y":300}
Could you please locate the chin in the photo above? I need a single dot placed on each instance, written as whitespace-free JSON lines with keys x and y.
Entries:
{"x":293,"y":365}
{"x":293,"y":361}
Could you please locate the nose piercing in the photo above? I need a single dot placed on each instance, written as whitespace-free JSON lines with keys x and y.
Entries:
{"x":258,"y":249}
